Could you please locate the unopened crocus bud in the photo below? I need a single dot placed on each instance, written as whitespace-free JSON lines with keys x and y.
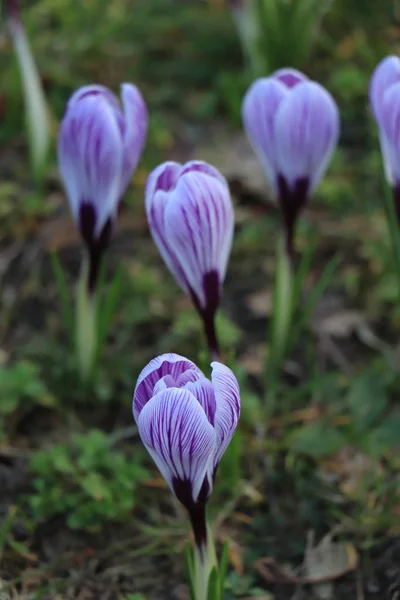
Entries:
{"x":186,"y":422}
{"x":293,"y":126}
{"x":385,"y":102}
{"x":99,"y":146}
{"x":191,"y":219}
{"x":37,"y":117}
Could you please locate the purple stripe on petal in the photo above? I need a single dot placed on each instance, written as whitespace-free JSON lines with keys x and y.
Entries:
{"x":306,"y":133}
{"x":94,"y":90}
{"x":157,"y":198}
{"x":163,"y":178}
{"x":163,"y":384}
{"x":227,"y":396}
{"x":166,"y":364}
{"x":259,"y":109}
{"x":179,"y":437}
{"x":199,"y":166}
{"x":289,"y":77}
{"x":203,"y":391}
{"x":199,"y":223}
{"x":187,"y":376}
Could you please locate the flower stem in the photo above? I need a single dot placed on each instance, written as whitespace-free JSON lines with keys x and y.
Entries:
{"x":204,"y":552}
{"x":86,"y":324}
{"x":211,"y":335}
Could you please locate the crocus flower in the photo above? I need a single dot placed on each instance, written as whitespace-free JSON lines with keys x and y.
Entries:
{"x":186,"y":422}
{"x":37,"y":117}
{"x":191,"y":219}
{"x":385,"y":102}
{"x":293,"y":126}
{"x":99,"y":146}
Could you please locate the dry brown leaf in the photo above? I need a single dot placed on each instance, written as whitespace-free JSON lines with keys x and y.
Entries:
{"x":235,"y":556}
{"x":322,"y":563}
{"x":340,"y":324}
{"x":253,"y":360}
{"x":230,"y":152}
{"x":260,"y":303}
{"x":156,"y":482}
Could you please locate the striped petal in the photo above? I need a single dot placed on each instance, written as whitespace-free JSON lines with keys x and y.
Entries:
{"x":199,"y":223}
{"x":157,"y":197}
{"x":166,"y":364}
{"x":259,"y":109}
{"x":163,"y":384}
{"x":134,"y":133}
{"x":203,"y":391}
{"x":189,"y":376}
{"x":306,"y":133}
{"x":180,"y":439}
{"x":94,"y":90}
{"x":390,"y":123}
{"x":199,"y":166}
{"x":386,"y":74}
{"x":90,"y":158}
{"x":227,"y":413}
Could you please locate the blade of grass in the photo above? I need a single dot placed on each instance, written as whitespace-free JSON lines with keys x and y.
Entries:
{"x":109,"y":306}
{"x":65,"y":298}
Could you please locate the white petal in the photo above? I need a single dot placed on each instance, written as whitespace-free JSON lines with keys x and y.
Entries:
{"x":179,"y":437}
{"x":166,"y":364}
{"x":227,"y":396}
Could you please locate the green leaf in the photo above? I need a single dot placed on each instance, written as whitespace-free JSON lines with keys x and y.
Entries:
{"x":367,"y":400}
{"x":213,"y":586}
{"x":108,"y":308}
{"x":384,"y":438}
{"x":223,"y":568}
{"x":317,"y":440}
{"x":61,"y":460}
{"x":65,"y":298}
{"x":95,"y":486}
{"x":189,"y":561}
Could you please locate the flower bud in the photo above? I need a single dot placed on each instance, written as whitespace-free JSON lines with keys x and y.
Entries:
{"x":191,"y":219}
{"x":293,"y":126}
{"x":186,"y":422}
{"x":99,"y":146}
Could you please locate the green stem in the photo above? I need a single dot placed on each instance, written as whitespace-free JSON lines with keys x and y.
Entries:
{"x":393,"y":225}
{"x":204,"y":562}
{"x":86,"y":324}
{"x":281,"y":318}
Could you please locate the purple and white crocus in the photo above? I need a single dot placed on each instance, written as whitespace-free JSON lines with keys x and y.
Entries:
{"x":99,"y":146}
{"x":191,"y":219}
{"x":186,"y":422}
{"x":293,"y":126}
{"x":385,"y":103}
